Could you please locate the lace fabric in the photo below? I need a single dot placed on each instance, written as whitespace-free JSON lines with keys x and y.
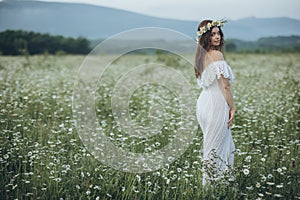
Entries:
{"x":215,"y":70}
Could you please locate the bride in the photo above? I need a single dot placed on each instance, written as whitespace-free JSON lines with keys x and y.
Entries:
{"x":215,"y":107}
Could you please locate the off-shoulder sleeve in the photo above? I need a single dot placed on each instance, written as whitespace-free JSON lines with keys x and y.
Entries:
{"x":213,"y":71}
{"x":222,"y":68}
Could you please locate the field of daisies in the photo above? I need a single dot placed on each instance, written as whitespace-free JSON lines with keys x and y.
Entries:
{"x":43,"y":157}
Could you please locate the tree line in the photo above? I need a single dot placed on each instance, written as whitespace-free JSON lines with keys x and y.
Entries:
{"x":265,"y":45}
{"x":18,"y":42}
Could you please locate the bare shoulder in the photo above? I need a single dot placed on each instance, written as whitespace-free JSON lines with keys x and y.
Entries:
{"x":216,"y":55}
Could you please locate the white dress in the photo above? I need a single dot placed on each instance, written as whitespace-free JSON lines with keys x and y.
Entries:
{"x":212,"y":114}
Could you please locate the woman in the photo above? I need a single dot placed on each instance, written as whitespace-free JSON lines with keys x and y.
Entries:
{"x":215,"y":107}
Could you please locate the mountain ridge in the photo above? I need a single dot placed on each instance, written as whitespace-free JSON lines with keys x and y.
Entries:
{"x":94,"y":22}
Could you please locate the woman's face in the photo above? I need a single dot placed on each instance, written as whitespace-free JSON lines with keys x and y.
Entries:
{"x":215,"y":37}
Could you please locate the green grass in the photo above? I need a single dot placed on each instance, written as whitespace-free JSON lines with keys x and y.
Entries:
{"x":42,"y":156}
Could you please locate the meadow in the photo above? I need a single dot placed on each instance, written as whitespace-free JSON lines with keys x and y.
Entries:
{"x":43,"y":157}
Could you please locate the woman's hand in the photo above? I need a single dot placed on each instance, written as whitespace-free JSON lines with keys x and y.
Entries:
{"x":231,"y":114}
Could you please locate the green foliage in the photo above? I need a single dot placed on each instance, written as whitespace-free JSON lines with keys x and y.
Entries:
{"x":170,"y":59}
{"x":265,"y":45}
{"x":16,"y":42}
{"x":230,"y":46}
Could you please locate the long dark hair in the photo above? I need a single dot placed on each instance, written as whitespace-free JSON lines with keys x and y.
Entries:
{"x":204,"y":45}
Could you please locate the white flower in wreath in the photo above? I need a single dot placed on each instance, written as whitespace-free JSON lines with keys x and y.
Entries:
{"x":208,"y":26}
{"x":215,"y":23}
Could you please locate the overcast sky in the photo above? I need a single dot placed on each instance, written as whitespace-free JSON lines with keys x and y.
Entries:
{"x":199,"y":9}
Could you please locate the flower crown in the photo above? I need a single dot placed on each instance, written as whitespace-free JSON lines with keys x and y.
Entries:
{"x":208,"y":26}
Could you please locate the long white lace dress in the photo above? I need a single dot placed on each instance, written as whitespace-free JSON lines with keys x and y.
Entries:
{"x":212,"y":114}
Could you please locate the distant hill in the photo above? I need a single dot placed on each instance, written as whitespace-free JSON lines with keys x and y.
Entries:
{"x":94,"y":22}
{"x":252,"y":28}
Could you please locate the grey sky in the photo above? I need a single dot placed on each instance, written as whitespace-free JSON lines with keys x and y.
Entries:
{"x":199,"y":9}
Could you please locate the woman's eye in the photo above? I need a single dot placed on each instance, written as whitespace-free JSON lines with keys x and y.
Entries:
{"x":215,"y":34}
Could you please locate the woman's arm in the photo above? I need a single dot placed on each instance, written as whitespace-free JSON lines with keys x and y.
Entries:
{"x":226,"y":89}
{"x":224,"y":85}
